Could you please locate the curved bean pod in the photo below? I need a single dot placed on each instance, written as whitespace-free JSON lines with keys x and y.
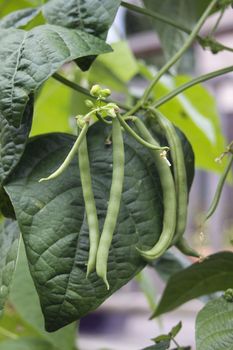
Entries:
{"x":180,"y":178}
{"x":169,"y":198}
{"x":179,"y":172}
{"x":92,"y":219}
{"x":114,"y":202}
{"x":137,"y":137}
{"x":185,"y":248}
{"x":70,"y":155}
{"x":218,"y":192}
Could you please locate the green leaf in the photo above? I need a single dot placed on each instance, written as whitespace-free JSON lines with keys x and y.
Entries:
{"x":36,"y":55}
{"x":214,"y":325}
{"x":56,"y":119}
{"x":26,"y":344}
{"x":176,"y":329}
{"x":9,"y":242}
{"x":25,"y":301}
{"x":162,"y":337}
{"x":214,"y":274}
{"x":94,"y":17}
{"x":116,"y":69}
{"x":53,"y":222}
{"x":13,"y":326}
{"x":13,"y":140}
{"x":19,"y":18}
{"x":30,"y":59}
{"x":164,"y":345}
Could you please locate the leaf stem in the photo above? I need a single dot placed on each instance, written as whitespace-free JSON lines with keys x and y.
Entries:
{"x":190,"y":84}
{"x":176,"y":344}
{"x":211,"y":43}
{"x":179,"y":53}
{"x":8,"y":334}
{"x":84,"y":91}
{"x":155,"y":15}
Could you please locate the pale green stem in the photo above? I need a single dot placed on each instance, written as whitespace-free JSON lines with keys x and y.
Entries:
{"x":191,"y":83}
{"x":182,"y":50}
{"x":173,"y":23}
{"x":84,"y":91}
{"x":8,"y":334}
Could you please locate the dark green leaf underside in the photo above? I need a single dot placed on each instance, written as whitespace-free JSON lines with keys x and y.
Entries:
{"x":53,"y":221}
{"x":9,"y":242}
{"x":212,"y":275}
{"x":214,"y":326}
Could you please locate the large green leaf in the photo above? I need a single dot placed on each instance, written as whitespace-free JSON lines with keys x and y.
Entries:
{"x":116,"y":69}
{"x":92,"y":16}
{"x":25,"y":301}
{"x":212,"y":275}
{"x":214,"y":326}
{"x":9,"y":242}
{"x":53,"y":221}
{"x":30,"y":58}
{"x":56,"y":119}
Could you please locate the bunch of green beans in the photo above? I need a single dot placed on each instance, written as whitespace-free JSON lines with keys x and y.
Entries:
{"x":175,"y":192}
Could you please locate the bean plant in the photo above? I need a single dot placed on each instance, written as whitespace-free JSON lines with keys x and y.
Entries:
{"x":100,"y":196}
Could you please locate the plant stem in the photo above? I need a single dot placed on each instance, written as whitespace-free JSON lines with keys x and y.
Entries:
{"x":171,"y":22}
{"x":175,"y":342}
{"x":84,"y":91}
{"x":8,"y":334}
{"x":182,"y":50}
{"x":191,"y":83}
{"x":155,"y":15}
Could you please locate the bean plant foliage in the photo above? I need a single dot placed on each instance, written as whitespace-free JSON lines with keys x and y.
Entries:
{"x":99,"y":197}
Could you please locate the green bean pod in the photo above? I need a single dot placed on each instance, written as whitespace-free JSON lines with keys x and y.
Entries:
{"x":90,"y":207}
{"x":180,"y":178}
{"x":185,"y":248}
{"x":114,"y":201}
{"x":218,"y":192}
{"x":169,"y":198}
{"x":70,"y":155}
{"x":179,"y":171}
{"x":137,"y":137}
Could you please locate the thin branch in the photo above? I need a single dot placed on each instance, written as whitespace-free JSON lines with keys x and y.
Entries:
{"x":181,"y":51}
{"x":173,"y":59}
{"x":192,"y":83}
{"x":84,"y":91}
{"x":203,"y":41}
{"x":155,"y":15}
